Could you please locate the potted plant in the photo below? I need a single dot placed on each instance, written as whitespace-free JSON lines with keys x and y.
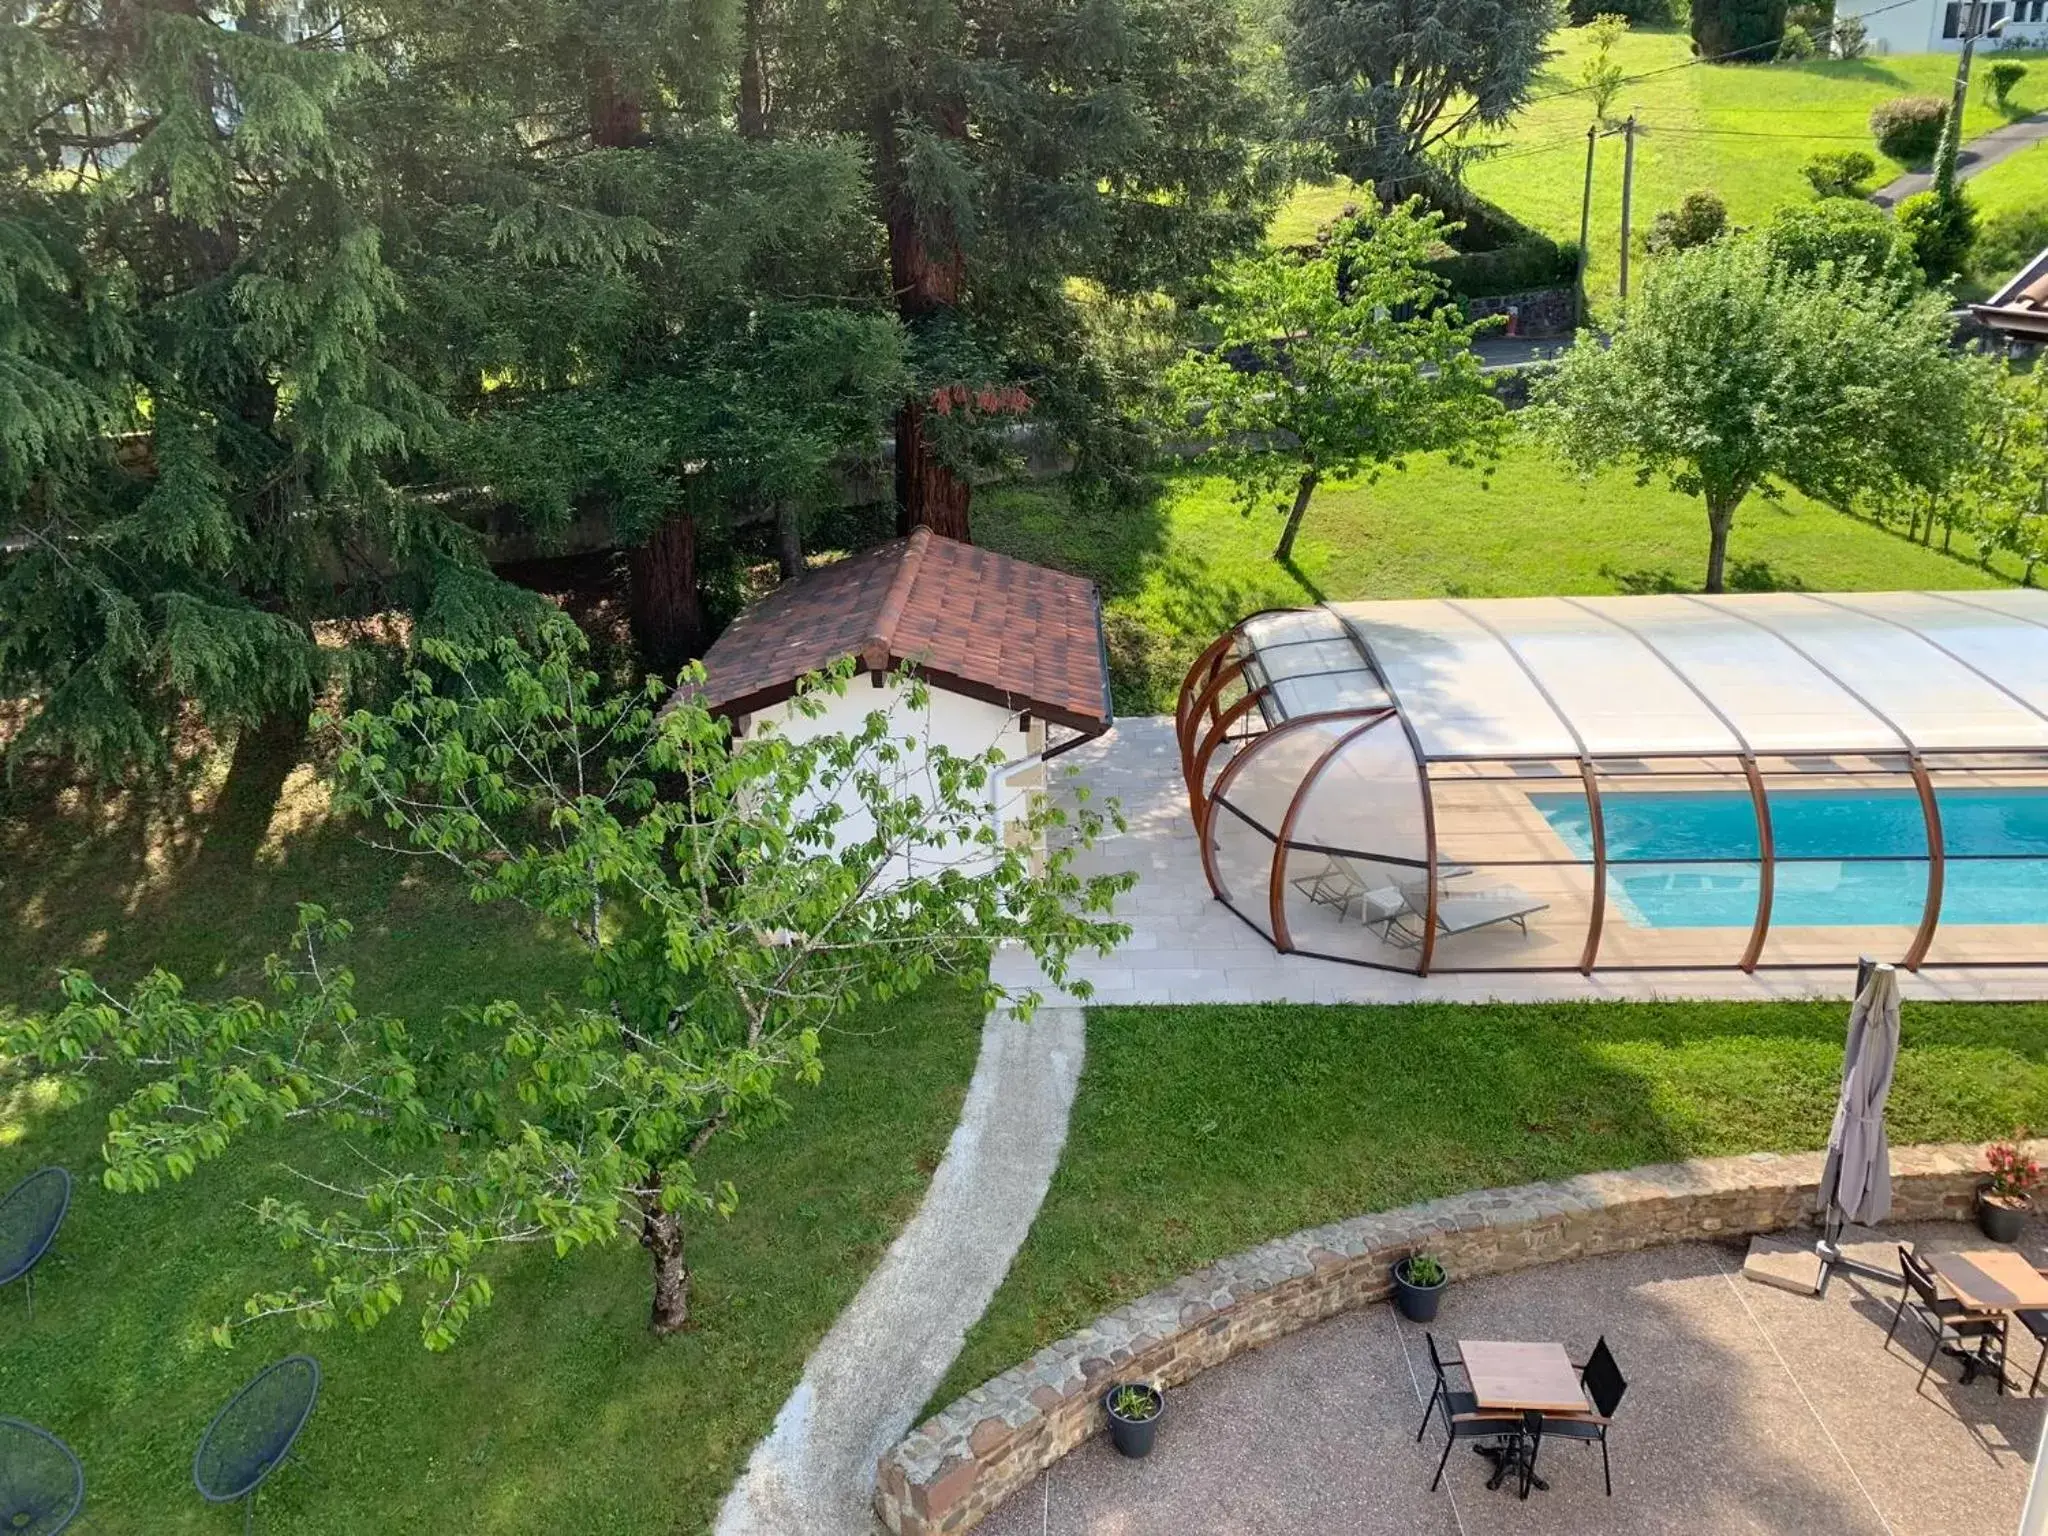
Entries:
{"x":1419,"y":1282}
{"x":1134,"y":1410}
{"x":2005,"y":1200}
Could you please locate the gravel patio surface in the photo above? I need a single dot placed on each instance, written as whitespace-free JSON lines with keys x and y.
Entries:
{"x":1748,"y":1410}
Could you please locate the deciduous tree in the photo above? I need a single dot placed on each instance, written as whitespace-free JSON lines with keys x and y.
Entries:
{"x":1732,"y":374}
{"x":1336,"y":362}
{"x":727,"y":921}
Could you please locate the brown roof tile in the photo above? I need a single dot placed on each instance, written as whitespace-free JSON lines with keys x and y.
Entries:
{"x":964,"y":617}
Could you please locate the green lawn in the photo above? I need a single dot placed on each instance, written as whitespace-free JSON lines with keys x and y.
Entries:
{"x":1202,"y":1131}
{"x":2018,"y":181}
{"x":1741,"y":129}
{"x":558,"y":1411}
{"x":1178,"y":570}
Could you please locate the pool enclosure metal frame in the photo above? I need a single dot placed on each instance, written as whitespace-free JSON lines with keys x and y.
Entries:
{"x":1210,"y":721}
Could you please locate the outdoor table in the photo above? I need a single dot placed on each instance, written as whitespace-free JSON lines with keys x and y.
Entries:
{"x":1512,"y":1377}
{"x":41,"y":1483}
{"x":1988,"y":1280}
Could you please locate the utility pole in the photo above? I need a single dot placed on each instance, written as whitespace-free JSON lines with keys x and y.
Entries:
{"x":1586,"y":217}
{"x":1945,"y":157}
{"x":1628,"y":184}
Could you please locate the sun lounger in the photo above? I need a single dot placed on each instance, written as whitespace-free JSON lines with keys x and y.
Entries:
{"x":1462,"y":911}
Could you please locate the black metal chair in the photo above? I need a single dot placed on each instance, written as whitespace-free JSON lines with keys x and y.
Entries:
{"x":2035,"y":1321}
{"x":41,"y":1483}
{"x":250,"y":1438}
{"x":1605,"y":1387}
{"x":1947,"y":1320}
{"x":1463,"y":1419}
{"x":29,"y":1218}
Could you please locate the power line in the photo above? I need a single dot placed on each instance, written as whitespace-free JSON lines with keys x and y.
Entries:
{"x":1718,"y":58}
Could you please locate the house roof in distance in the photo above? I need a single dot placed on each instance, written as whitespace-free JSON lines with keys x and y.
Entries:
{"x":964,"y":618}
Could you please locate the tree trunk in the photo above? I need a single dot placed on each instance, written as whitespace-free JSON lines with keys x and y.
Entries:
{"x":927,"y":269}
{"x":928,"y":493}
{"x":1719,"y":520}
{"x":264,"y":757}
{"x":615,"y":116}
{"x":753,"y":104}
{"x":1302,"y":492}
{"x":661,"y":1234}
{"x":789,"y":542}
{"x":668,"y":614}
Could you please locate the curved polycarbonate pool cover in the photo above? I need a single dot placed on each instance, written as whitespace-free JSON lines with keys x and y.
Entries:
{"x":1665,"y":781}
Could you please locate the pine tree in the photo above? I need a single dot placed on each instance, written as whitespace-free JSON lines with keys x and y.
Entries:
{"x":1027,"y":157}
{"x":655,"y":316}
{"x":198,"y":400}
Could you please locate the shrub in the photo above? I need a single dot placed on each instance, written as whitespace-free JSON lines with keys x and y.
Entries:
{"x":2009,"y":240}
{"x":1537,"y":262}
{"x":1837,"y":232}
{"x":1852,"y":38}
{"x":1744,"y":31}
{"x":1838,"y":172}
{"x":1700,"y":217}
{"x":1938,"y":232}
{"x":1796,"y":44}
{"x":1908,"y":127}
{"x":2003,"y":75}
{"x":1655,"y":13}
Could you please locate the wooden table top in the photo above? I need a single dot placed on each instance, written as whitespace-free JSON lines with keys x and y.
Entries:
{"x":1991,"y":1279}
{"x":1507,"y":1375}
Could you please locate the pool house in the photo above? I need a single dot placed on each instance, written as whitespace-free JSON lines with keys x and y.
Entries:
{"x":1755,"y":780}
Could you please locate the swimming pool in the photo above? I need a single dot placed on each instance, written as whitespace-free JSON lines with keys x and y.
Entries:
{"x":1844,"y":859}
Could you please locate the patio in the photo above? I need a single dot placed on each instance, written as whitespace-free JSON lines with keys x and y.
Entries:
{"x":1748,"y":1410}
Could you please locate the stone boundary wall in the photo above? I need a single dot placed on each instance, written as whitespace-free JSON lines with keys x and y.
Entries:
{"x":949,"y":1472}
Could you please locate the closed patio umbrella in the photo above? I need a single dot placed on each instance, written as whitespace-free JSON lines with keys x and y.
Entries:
{"x":1856,"y":1180}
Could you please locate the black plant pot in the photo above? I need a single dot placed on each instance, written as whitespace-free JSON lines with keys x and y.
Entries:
{"x":1999,"y":1221}
{"x":1133,"y":1437}
{"x":1418,"y":1303}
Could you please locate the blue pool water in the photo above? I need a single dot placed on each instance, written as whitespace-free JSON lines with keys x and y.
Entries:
{"x":1863,"y":856}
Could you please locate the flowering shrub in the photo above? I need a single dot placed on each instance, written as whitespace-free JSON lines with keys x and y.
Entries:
{"x":2014,"y":1175}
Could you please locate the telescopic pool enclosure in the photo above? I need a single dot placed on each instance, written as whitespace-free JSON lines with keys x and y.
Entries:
{"x":1630,"y":783}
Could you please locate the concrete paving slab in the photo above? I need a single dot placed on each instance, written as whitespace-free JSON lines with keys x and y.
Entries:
{"x":1783,"y":1262}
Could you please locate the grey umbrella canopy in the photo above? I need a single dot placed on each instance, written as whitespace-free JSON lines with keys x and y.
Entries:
{"x":1857,"y":1178}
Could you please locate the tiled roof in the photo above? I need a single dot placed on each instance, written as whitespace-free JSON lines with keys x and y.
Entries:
{"x":2022,"y":304}
{"x":963,"y":617}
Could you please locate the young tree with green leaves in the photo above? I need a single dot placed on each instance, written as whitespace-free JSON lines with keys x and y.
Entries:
{"x":1732,"y":374}
{"x":729,"y":919}
{"x":1337,"y":363}
{"x":1389,"y":86}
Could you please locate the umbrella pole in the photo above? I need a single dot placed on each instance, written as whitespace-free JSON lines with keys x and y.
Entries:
{"x":1829,"y":1247}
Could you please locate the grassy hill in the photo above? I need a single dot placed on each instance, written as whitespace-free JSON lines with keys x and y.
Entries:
{"x":1742,"y":129}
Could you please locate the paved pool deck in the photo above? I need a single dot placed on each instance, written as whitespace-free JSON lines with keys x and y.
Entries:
{"x":1187,"y":947}
{"x":1748,"y":1410}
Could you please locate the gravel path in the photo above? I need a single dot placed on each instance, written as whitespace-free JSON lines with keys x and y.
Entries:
{"x":814,"y":1473}
{"x":1979,"y":154}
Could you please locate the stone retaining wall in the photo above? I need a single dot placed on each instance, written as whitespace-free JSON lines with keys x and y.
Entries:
{"x":957,"y":1466}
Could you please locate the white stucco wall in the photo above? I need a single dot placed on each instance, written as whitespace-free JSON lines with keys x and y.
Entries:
{"x":962,"y":725}
{"x":1917,"y":28}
